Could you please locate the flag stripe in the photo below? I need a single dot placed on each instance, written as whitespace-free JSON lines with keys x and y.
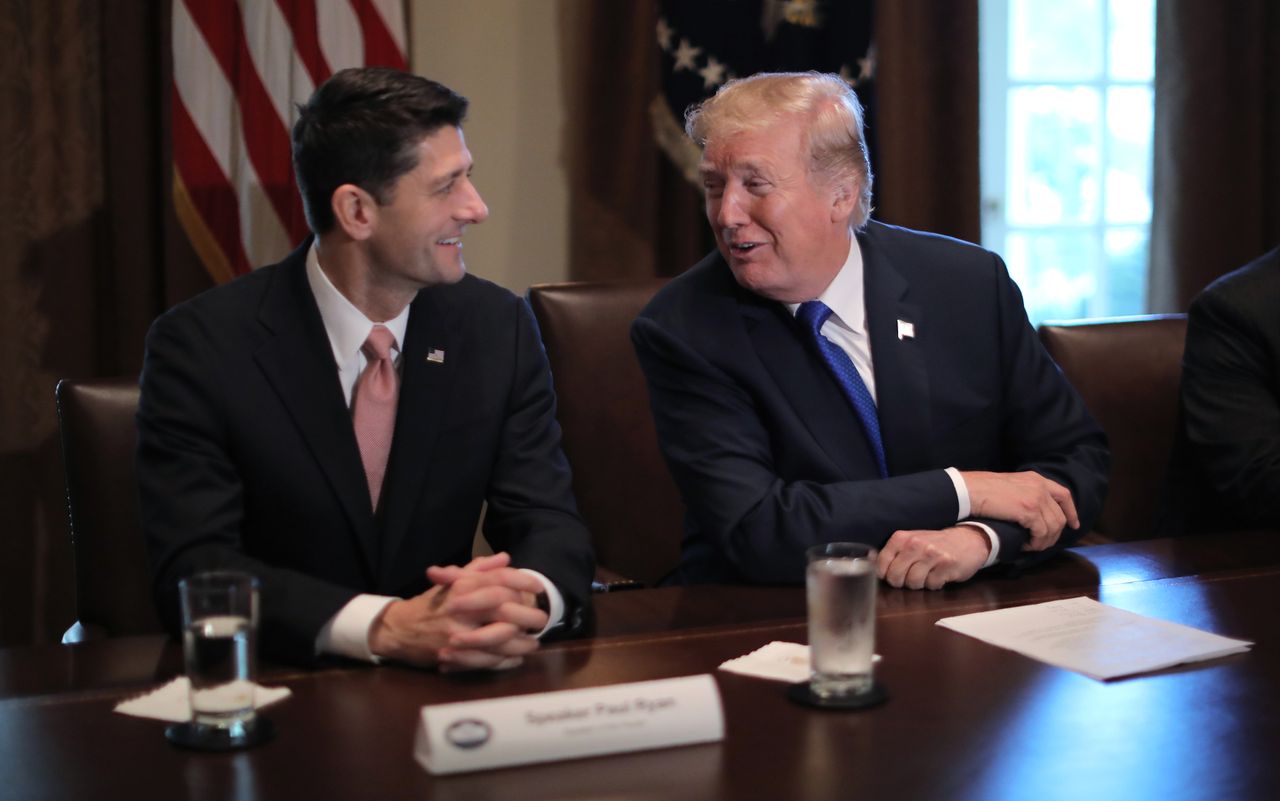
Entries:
{"x":267,"y":38}
{"x":335,"y":22}
{"x":379,"y":47}
{"x":240,"y":69}
{"x":264,"y":131}
{"x":261,"y":229}
{"x":207,"y":187}
{"x":301,"y":15}
{"x":202,"y":87}
{"x":392,"y":14}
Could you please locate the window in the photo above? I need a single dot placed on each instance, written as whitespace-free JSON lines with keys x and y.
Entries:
{"x":1067,"y":106}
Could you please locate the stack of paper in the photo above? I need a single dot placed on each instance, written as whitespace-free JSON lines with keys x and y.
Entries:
{"x":1097,"y":640}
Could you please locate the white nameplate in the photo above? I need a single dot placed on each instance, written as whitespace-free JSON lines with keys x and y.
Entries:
{"x":545,"y":727}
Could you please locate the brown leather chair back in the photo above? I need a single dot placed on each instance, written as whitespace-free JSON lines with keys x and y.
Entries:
{"x":1128,"y":371}
{"x":113,"y":580}
{"x":625,"y":494}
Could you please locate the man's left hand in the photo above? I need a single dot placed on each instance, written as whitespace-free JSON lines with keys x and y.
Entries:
{"x":499,"y":602}
{"x":929,"y":559}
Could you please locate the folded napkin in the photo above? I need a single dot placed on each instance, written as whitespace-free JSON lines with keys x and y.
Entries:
{"x":779,"y":661}
{"x":171,"y":702}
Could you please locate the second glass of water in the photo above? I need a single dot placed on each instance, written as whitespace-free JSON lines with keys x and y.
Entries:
{"x":220,"y":623}
{"x":840,"y":581}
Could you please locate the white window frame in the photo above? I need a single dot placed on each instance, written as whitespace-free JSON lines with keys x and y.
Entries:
{"x":995,"y":86}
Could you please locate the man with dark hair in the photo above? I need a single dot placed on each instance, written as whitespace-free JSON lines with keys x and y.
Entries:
{"x":335,"y":422}
{"x":822,"y":377}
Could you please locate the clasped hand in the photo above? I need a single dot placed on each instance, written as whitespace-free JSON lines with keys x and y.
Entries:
{"x":480,"y":615}
{"x":932,"y":559}
{"x":920,"y":559}
{"x":1041,"y":506}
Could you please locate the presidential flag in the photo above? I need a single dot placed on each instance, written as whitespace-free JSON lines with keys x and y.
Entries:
{"x":705,"y":43}
{"x":239,"y":71}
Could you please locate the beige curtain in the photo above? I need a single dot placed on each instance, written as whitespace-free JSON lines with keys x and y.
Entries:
{"x":1217,"y":143}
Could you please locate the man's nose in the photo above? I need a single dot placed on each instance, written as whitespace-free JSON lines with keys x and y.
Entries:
{"x":473,"y":209}
{"x":730,"y":213}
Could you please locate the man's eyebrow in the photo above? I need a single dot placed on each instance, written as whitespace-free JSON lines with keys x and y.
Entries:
{"x":453,"y":176}
{"x":745,"y":167}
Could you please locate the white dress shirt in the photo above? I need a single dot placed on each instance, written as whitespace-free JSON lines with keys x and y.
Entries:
{"x":347,"y":632}
{"x":847,"y":329}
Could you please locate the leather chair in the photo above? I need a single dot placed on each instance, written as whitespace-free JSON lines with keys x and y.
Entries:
{"x":624,"y":492}
{"x":1128,"y":371}
{"x":113,"y":580}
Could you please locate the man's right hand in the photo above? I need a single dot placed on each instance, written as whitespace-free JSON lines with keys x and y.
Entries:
{"x":1041,"y":506}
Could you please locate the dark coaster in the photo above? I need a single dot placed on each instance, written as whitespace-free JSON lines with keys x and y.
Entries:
{"x":802,"y":695}
{"x":211,"y":738}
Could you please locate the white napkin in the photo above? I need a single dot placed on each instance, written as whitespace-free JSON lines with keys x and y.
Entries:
{"x":779,"y":661}
{"x":171,"y":702}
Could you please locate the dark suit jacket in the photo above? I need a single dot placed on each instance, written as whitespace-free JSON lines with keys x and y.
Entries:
{"x":769,"y":456}
{"x":247,"y":457}
{"x":1227,"y":458}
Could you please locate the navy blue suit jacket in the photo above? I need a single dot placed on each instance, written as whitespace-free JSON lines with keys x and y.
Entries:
{"x":1226,"y":465}
{"x":770,"y":457}
{"x":247,"y":457}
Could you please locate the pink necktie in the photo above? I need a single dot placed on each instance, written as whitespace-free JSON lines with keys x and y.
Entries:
{"x":374,"y":407}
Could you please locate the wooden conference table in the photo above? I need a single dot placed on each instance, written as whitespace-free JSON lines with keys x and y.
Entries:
{"x":965,"y":720}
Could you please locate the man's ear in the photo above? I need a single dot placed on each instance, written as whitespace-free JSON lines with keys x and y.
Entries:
{"x":355,"y":211}
{"x":844,"y":199}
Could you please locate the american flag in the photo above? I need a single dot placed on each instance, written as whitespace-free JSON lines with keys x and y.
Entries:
{"x":239,"y":70}
{"x":705,"y":44}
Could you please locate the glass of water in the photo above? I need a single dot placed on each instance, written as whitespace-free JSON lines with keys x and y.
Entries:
{"x":219,"y":633}
{"x":840,"y":581}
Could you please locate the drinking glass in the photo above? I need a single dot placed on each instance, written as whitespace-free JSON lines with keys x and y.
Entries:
{"x":219,"y":639}
{"x":840,"y":583}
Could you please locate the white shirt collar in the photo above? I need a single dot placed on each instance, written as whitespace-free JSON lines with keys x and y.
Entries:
{"x":844,"y":295}
{"x":346,"y":325}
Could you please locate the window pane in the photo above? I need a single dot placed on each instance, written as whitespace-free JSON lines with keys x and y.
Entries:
{"x":1055,"y":39}
{"x":1061,"y":284}
{"x":1129,"y":114}
{"x":1054,"y":155}
{"x":1132,"y":48}
{"x":1126,"y":273}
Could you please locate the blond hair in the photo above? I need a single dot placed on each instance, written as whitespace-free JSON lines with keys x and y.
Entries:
{"x":833,"y":137}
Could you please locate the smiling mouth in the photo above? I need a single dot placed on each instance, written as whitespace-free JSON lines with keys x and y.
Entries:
{"x":453,"y":241}
{"x":744,"y":247}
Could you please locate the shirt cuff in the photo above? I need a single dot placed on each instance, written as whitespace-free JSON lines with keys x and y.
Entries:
{"x":963,"y":508}
{"x":962,"y":494}
{"x":555,"y":601}
{"x":991,"y":536}
{"x":347,"y":632}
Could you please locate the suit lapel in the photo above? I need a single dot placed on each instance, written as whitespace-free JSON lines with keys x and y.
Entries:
{"x":902,"y":378}
{"x":807,"y":384}
{"x":428,"y":366}
{"x":298,"y":363}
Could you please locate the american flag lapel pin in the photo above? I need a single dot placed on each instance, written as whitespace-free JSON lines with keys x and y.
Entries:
{"x":435,"y":355}
{"x":906,"y":330}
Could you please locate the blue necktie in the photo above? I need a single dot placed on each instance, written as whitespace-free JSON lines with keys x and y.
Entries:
{"x":813,"y":314}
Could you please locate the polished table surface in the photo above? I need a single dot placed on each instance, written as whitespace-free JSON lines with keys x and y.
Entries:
{"x":965,"y":719}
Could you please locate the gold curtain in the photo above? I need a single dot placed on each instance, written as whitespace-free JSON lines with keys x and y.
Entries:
{"x":631,"y":213}
{"x":926,"y":116}
{"x":83,"y":205}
